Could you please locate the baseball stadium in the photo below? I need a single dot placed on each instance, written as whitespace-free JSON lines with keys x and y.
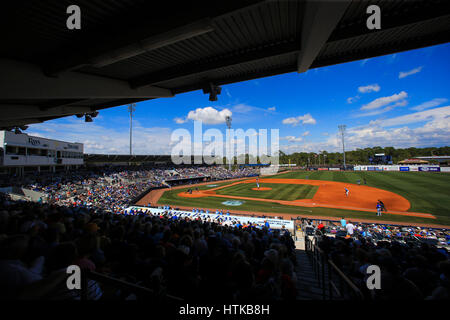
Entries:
{"x":245,"y":152}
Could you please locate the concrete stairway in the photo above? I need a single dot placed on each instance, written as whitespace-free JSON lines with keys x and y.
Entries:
{"x":307,"y":284}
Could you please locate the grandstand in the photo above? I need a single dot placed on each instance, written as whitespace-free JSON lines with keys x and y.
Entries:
{"x":20,"y":153}
{"x":139,"y":227}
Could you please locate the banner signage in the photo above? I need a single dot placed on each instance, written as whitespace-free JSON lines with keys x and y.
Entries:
{"x":274,"y":223}
{"x":431,"y":169}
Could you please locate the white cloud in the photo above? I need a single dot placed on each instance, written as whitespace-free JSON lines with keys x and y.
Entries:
{"x":352,"y":99}
{"x":292,"y":139}
{"x":435,"y":131}
{"x":247,"y":109}
{"x":107,"y":140}
{"x":404,"y":74}
{"x":369,"y":88}
{"x":437,"y":113}
{"x":242,"y":108}
{"x":209,"y":115}
{"x":375,"y":112}
{"x":180,"y":120}
{"x":305,"y":119}
{"x":384,"y":101}
{"x":306,"y":133}
{"x":429,"y":104}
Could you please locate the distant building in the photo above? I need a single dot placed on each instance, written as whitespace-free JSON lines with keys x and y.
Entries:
{"x":20,"y":152}
{"x":413,"y":162}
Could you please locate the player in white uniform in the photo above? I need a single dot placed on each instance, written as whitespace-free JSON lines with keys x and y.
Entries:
{"x":346,"y":191}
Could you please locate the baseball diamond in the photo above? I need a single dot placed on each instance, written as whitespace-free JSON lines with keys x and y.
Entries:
{"x":412,"y":197}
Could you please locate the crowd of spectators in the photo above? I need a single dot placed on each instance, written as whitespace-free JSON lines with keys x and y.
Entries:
{"x":113,"y":188}
{"x":187,"y":257}
{"x":377,"y":232}
{"x":409,"y":269}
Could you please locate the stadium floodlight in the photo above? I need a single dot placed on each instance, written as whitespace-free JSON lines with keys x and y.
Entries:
{"x":342,"y":128}
{"x":88,"y":118}
{"x":228,"y":121}
{"x":131,"y":109}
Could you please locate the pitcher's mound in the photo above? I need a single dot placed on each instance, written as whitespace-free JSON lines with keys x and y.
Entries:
{"x":262,"y":189}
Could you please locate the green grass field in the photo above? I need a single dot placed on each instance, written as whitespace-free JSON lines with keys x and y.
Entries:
{"x":288,"y":192}
{"x":427,"y":192}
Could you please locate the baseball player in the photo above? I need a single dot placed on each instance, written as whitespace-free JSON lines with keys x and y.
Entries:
{"x":378,"y":209}
{"x":346,"y":191}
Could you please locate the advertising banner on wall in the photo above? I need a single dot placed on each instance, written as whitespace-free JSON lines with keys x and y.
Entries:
{"x":334,"y":169}
{"x":431,"y":169}
{"x":413,"y":168}
{"x":404,"y":168}
{"x":323,"y":169}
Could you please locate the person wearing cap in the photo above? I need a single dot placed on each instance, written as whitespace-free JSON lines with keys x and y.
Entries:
{"x":349,"y":227}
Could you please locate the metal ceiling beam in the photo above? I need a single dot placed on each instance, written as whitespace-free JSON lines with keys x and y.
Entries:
{"x":16,"y":111}
{"x":26,"y":81}
{"x":419,"y":12}
{"x":234,"y":58}
{"x":319,"y":20}
{"x":153,"y":43}
{"x":383,"y":49}
{"x":234,"y":79}
{"x":147,"y":28}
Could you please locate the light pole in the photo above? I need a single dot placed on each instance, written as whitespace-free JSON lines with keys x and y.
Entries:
{"x":131,"y":109}
{"x":342,"y":132}
{"x":228,"y":121}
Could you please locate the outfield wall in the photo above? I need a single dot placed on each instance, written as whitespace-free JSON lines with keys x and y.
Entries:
{"x":403,"y":168}
{"x":274,"y":223}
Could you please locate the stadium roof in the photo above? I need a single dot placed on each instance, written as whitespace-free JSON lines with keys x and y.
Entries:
{"x":129,"y":51}
{"x":413,"y":161}
{"x":436,"y":158}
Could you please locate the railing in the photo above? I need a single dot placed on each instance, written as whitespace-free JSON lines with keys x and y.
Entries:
{"x":338,"y":285}
{"x":132,"y":288}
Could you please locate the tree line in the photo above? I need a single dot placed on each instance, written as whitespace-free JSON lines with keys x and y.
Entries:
{"x":360,"y":156}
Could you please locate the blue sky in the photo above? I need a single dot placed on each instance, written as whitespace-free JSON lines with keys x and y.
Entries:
{"x":399,"y":100}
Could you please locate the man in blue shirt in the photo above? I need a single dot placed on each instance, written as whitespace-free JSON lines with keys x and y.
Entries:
{"x":343,"y":222}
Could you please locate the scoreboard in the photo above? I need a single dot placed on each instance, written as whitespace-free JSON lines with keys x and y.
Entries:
{"x":380,"y":158}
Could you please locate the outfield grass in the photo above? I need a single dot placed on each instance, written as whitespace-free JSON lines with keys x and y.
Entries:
{"x":279,"y":191}
{"x":427,"y":192}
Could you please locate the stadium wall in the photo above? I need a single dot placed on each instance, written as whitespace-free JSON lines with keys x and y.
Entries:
{"x":403,"y":168}
{"x":274,"y":223}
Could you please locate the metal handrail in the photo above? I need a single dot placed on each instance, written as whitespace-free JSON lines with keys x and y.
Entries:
{"x":319,"y":261}
{"x":139,"y":290}
{"x":344,"y":278}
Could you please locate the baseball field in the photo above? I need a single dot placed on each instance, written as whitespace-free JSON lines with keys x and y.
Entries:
{"x":410,"y":197}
